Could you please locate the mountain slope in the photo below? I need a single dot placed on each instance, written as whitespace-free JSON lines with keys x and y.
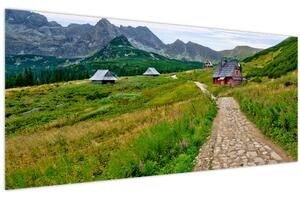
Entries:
{"x":15,"y":64}
{"x":275,"y":61}
{"x":190,"y":51}
{"x":121,"y":48}
{"x":141,"y":35}
{"x":31,"y":33}
{"x":240,"y":52}
{"x":120,"y":56}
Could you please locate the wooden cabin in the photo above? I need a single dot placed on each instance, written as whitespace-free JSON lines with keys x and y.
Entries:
{"x":228,"y":72}
{"x":103,"y":76}
{"x":208,"y":64}
{"x":151,"y":71}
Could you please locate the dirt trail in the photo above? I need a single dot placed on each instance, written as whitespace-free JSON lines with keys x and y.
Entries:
{"x":204,"y":90}
{"x":236,"y":142}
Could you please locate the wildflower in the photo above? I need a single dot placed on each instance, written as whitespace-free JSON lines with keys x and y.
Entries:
{"x":141,"y":165}
{"x":183,"y":144}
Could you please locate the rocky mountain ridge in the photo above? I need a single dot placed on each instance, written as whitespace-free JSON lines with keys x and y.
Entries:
{"x":31,"y":33}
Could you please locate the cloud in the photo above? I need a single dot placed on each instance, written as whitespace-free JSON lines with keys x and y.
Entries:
{"x":217,"y":39}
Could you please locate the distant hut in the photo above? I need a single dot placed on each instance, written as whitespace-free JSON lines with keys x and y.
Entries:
{"x":228,"y":72}
{"x":103,"y":76}
{"x":208,"y":64}
{"x":151,"y":71}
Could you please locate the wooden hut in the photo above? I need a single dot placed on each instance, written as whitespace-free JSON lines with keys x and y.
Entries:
{"x":208,"y":64}
{"x":228,"y":72}
{"x":103,"y":76}
{"x":151,"y":71}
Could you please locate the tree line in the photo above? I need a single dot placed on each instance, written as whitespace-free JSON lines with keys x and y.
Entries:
{"x":28,"y":77}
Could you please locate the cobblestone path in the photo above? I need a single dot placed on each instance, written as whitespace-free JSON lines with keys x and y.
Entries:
{"x":236,"y":142}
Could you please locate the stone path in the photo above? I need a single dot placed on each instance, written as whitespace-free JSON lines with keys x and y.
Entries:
{"x":236,"y":142}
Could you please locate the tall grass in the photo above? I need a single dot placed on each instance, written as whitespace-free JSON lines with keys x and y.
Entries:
{"x":272,"y":105}
{"x":99,"y":122}
{"x":67,"y":103}
{"x":168,"y":147}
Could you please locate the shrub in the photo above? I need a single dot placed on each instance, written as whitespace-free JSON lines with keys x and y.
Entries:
{"x":97,"y":95}
{"x":256,"y":80}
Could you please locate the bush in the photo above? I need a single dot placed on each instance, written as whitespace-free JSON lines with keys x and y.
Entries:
{"x":97,"y":95}
{"x":256,"y":80}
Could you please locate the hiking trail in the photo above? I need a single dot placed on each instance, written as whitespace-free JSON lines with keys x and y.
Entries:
{"x":235,"y":141}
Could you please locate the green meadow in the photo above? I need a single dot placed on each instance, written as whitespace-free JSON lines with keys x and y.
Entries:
{"x":78,"y":131}
{"x":139,"y":126}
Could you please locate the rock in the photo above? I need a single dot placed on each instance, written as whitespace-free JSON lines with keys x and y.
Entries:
{"x":30,"y":111}
{"x":251,"y":154}
{"x":174,"y":76}
{"x":251,"y":164}
{"x":259,"y":160}
{"x":267,"y":147}
{"x":275,"y":156}
{"x":240,"y":152}
{"x":272,"y":162}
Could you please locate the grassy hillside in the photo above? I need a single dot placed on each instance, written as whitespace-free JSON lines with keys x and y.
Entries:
{"x":240,"y":52}
{"x":273,"y":62}
{"x":84,"y":132}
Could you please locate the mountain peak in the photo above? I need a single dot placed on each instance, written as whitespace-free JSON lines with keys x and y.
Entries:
{"x":240,"y":51}
{"x":120,"y":40}
{"x":239,"y":46}
{"x":178,"y":41}
{"x":244,"y":47}
{"x":54,"y":24}
{"x":144,"y":28}
{"x":192,"y":43}
{"x":103,"y":21}
{"x":27,"y":18}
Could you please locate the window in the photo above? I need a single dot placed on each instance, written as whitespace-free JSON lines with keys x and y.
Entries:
{"x":236,"y":72}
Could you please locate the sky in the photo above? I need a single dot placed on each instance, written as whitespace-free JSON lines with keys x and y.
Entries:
{"x":217,"y":39}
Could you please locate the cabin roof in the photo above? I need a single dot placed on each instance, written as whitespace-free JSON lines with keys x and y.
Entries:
{"x":151,"y":71}
{"x":103,"y":75}
{"x":226,"y":68}
{"x":208,"y":63}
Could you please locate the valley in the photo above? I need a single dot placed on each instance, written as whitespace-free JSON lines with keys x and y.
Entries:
{"x":85,"y":132}
{"x":62,"y":127}
{"x":118,"y":56}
